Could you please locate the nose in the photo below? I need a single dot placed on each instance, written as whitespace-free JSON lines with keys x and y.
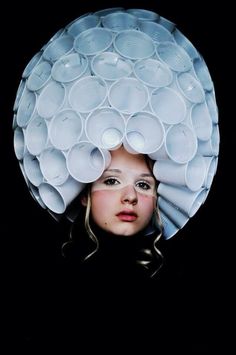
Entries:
{"x":129,"y":195}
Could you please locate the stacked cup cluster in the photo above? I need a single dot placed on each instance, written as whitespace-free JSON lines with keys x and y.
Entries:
{"x":117,"y":77}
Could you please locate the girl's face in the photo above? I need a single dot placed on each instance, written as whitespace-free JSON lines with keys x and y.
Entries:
{"x":124,"y":197}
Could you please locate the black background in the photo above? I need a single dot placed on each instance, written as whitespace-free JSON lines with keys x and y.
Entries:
{"x":196,"y":305}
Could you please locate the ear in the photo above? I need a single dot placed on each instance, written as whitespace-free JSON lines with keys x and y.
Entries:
{"x":84,"y":201}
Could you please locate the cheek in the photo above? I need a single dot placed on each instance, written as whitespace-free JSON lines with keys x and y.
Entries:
{"x":101,"y":199}
{"x":147,"y":204}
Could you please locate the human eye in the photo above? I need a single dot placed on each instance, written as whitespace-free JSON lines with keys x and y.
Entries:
{"x":111,"y":181}
{"x":143,"y":185}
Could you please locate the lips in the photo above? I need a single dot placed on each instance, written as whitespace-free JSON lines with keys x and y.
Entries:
{"x":127,"y":216}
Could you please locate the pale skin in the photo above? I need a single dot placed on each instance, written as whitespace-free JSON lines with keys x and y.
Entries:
{"x":123,"y":199}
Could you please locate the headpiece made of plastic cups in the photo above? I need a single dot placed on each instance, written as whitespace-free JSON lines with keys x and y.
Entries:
{"x":117,"y":77}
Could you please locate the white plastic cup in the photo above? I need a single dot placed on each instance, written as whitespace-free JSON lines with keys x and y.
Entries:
{"x":153,"y":73}
{"x":19,"y":143}
{"x":212,"y":145}
{"x":144,"y":15}
{"x":51,"y":99}
{"x":87,"y":94}
{"x":128,"y":95}
{"x":212,"y":107}
{"x":105,"y":128}
{"x":65,"y":129}
{"x":32,"y":63}
{"x":168,"y":105}
{"x":201,"y":121}
{"x":133,"y":44}
{"x":111,"y":66}
{"x":181,"y":143}
{"x":93,"y":41}
{"x":82,"y":24}
{"x":35,"y":194}
{"x":57,"y":198}
{"x":36,"y":135}
{"x":202,"y":73}
{"x":190,"y":87}
{"x":188,"y":201}
{"x":86,"y":162}
{"x":107,"y":11}
{"x":26,"y":108}
{"x":58,"y":47}
{"x":39,"y":76}
{"x":169,"y":25}
{"x":157,"y":32}
{"x":172,"y":212}
{"x":174,"y":56}
{"x":53,"y":166}
{"x":144,"y":133}
{"x":169,"y":228}
{"x":191,"y":174}
{"x":119,"y":21}
{"x":32,"y":169}
{"x":70,"y":67}
{"x":210,"y":171}
{"x":19,"y":94}
{"x":184,"y":42}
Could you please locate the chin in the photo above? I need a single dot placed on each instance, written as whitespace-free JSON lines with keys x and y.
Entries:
{"x":126,"y":232}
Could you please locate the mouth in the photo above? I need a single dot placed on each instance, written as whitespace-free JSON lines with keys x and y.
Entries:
{"x":127,"y":216}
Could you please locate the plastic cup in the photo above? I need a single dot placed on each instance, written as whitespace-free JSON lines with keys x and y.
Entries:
{"x":212,"y":107}
{"x":39,"y":76}
{"x":107,"y":11}
{"x":58,"y":47}
{"x":32,"y":169}
{"x":128,"y":95}
{"x":105,"y":128}
{"x":82,"y":24}
{"x":201,"y":121}
{"x":190,"y":87}
{"x":211,"y":146}
{"x":202,"y":73}
{"x":53,"y":166}
{"x":51,"y":99}
{"x":19,"y":94}
{"x":144,"y":133}
{"x":168,"y":105}
{"x":19,"y":143}
{"x":210,"y":171}
{"x":169,"y":228}
{"x":32,"y":63}
{"x":153,"y":73}
{"x":119,"y":21}
{"x":26,"y":108}
{"x":174,"y":56}
{"x":191,"y":174}
{"x":35,"y":194}
{"x":172,"y":212}
{"x":184,"y":42}
{"x":188,"y":201}
{"x":70,"y":67}
{"x":169,"y":25}
{"x":93,"y":41}
{"x":111,"y":66}
{"x":65,"y":129}
{"x":57,"y":198}
{"x":36,"y":135}
{"x":181,"y":143}
{"x":87,"y":94}
{"x":133,"y":44}
{"x":87,"y":162}
{"x":157,"y":32}
{"x":144,"y":15}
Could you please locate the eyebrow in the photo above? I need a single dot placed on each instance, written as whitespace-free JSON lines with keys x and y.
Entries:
{"x":118,"y":171}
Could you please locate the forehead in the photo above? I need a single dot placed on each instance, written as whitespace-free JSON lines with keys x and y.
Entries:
{"x":121,"y":159}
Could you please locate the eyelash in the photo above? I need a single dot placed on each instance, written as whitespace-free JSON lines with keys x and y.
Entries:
{"x":113,"y":181}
